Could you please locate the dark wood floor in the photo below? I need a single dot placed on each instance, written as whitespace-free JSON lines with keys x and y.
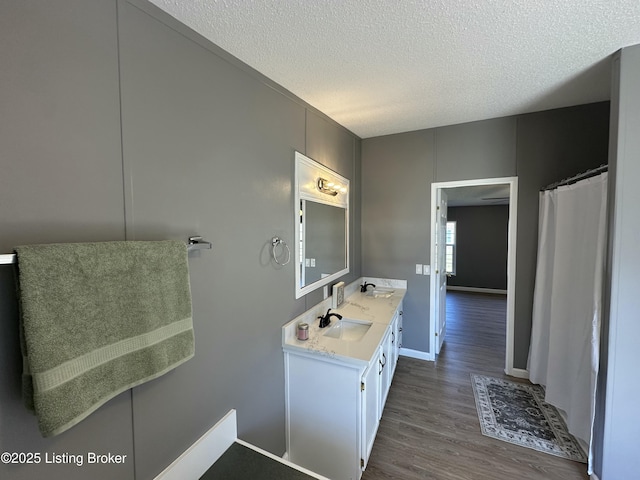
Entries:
{"x":430,"y":427}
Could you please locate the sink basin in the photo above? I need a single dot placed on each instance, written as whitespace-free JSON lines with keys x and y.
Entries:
{"x":348,"y":330}
{"x":381,"y":292}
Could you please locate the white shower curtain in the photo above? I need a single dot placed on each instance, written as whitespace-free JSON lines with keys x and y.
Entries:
{"x":567,"y":305}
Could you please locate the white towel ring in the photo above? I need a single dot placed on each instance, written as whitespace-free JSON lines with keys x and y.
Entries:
{"x":275,"y":241}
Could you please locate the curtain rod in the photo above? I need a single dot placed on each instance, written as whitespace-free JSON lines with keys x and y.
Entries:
{"x":576,"y":178}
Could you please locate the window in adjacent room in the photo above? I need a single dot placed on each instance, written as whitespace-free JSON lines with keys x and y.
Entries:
{"x":450,"y":248}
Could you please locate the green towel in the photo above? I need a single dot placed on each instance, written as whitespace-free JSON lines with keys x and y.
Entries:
{"x":98,"y":319}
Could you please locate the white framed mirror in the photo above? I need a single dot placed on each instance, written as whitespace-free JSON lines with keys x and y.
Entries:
{"x":321,"y":207}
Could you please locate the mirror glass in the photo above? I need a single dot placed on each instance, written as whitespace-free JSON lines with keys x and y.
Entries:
{"x":322,"y":235}
{"x":324,"y":240}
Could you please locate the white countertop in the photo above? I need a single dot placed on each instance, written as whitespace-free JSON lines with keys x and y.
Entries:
{"x":357,"y":306}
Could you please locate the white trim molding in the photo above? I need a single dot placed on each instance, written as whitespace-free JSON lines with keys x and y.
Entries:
{"x":282,"y":460}
{"x":407,"y":352}
{"x":511,"y":260}
{"x":308,"y":173}
{"x":519,"y":373}
{"x":197,"y":459}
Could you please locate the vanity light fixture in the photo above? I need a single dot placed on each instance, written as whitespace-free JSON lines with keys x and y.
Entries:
{"x":330,"y":188}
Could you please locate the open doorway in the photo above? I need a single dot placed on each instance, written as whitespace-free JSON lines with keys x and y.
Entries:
{"x":493,"y":191}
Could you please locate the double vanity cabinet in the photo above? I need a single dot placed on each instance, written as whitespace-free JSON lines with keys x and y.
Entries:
{"x":337,"y":381}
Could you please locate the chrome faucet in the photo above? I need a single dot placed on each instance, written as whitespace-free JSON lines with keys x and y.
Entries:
{"x":363,"y":288}
{"x":326,"y":319}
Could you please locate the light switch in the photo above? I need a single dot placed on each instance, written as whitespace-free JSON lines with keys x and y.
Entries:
{"x":426,"y":269}
{"x":418,"y":269}
{"x":313,"y":262}
{"x":307,"y":262}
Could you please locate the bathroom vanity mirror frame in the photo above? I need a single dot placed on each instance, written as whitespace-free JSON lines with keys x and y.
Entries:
{"x":307,"y":189}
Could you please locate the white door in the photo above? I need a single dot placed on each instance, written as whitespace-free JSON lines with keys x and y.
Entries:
{"x":441,"y":269}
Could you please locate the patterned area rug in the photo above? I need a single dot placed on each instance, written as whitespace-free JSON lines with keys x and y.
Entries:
{"x":517,"y":413}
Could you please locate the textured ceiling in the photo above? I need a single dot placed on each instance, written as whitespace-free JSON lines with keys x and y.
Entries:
{"x":388,"y":66}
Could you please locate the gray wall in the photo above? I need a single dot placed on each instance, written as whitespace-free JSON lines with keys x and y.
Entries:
{"x":60,"y":181}
{"x":120,"y":123}
{"x":481,"y":246}
{"x":617,"y":426}
{"x":550,"y":146}
{"x":335,"y":147}
{"x":398,"y":170}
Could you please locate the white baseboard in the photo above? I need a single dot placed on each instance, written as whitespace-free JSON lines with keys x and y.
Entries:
{"x":199,"y":457}
{"x":204,"y":452}
{"x":494,"y":291}
{"x":282,"y":460}
{"x":518,"y":373}
{"x":407,"y":352}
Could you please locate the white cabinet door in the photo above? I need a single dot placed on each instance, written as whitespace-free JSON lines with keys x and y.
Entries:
{"x":395,"y":343}
{"x":385,"y":368}
{"x":370,"y":388}
{"x":400,"y":319}
{"x":322,"y":408}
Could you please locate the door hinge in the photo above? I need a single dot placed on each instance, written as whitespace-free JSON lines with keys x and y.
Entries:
{"x":362,"y":386}
{"x":362,"y":463}
{"x":436,"y":334}
{"x":437,"y":207}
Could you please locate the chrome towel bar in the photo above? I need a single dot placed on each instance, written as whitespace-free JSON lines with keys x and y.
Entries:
{"x":194,"y":243}
{"x":7,"y":258}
